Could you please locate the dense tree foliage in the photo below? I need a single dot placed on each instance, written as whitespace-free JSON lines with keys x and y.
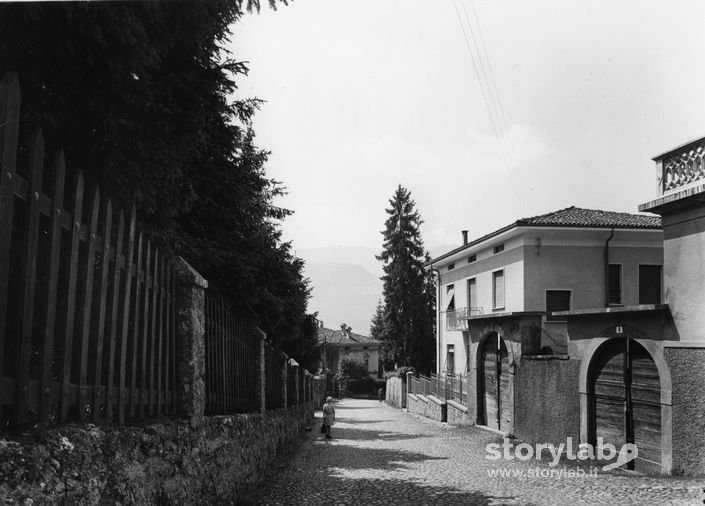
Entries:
{"x":138,"y":95}
{"x":353,"y":366}
{"x":407,"y":327}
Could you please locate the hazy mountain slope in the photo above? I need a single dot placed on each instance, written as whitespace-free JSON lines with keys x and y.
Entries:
{"x":346,"y":283}
{"x":343,"y":293}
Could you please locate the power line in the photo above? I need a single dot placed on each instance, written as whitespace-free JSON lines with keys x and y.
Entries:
{"x":502,"y":118}
{"x":490,"y":96}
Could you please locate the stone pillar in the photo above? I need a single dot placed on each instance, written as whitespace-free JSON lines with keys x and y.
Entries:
{"x":262,"y":384}
{"x":297,"y":375}
{"x":190,"y":342}
{"x":404,"y":400}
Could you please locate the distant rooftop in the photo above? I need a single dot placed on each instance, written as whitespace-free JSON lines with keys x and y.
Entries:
{"x":340,"y":337}
{"x":571,"y":217}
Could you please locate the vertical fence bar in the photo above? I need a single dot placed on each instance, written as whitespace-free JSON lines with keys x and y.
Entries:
{"x":172,"y":368}
{"x":160,"y":338}
{"x":153,"y":333}
{"x":10,"y":98}
{"x":47,"y":350}
{"x":87,"y":303}
{"x":122,"y":397}
{"x":136,"y":327}
{"x":145,"y":332}
{"x":221,"y":350}
{"x":114,"y":318}
{"x":209,"y":351}
{"x":228,"y":360}
{"x":169,"y":333}
{"x":107,"y":230}
{"x":36,"y":165}
{"x":76,"y":213}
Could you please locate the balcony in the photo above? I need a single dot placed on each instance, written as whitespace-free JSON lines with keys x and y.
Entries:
{"x":457,"y":319}
{"x":682,"y":167}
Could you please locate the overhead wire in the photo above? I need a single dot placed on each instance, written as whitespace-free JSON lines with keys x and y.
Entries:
{"x":490,"y":96}
{"x":514,"y":166}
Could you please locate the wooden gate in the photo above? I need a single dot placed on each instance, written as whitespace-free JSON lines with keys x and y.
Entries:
{"x":626,"y":401}
{"x":494,"y":384}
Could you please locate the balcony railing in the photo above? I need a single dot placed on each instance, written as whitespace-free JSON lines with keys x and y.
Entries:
{"x":681,"y":167}
{"x":457,"y":319}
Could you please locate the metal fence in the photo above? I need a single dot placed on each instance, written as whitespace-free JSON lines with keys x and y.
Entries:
{"x":232,"y":360}
{"x":87,"y":303}
{"x":88,"y":306}
{"x":448,"y":387}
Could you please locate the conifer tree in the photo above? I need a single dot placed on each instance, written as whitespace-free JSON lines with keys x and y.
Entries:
{"x":408,"y":334}
{"x":377,"y":325}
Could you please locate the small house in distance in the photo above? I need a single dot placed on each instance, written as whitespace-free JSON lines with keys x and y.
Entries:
{"x":338,"y":343}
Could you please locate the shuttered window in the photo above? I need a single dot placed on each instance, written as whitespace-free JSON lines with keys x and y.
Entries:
{"x":649,"y":284}
{"x":557,"y":300}
{"x":615,"y":284}
{"x":472,"y":297}
{"x":498,"y":290}
{"x":450,"y":359}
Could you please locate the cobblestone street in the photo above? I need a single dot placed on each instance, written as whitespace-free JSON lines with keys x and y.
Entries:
{"x":381,"y":455}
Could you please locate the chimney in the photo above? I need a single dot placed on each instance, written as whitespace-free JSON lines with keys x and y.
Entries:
{"x":465,"y":237}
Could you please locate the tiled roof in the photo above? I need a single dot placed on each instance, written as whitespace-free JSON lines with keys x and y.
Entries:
{"x":577,"y":217}
{"x":339,"y":337}
{"x":571,"y":217}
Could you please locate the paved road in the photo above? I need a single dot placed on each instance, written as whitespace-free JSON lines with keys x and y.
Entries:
{"x":381,"y":455}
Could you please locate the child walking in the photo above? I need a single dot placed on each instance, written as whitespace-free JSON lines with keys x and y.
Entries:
{"x":328,"y":415}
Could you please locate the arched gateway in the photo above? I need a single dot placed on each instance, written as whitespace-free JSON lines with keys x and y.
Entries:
{"x":494,"y":408}
{"x":624,"y":400}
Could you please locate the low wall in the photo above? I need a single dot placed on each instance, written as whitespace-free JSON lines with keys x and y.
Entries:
{"x":687,"y":377}
{"x":164,"y":463}
{"x":459,"y":415}
{"x":396,"y":392}
{"x":429,"y":407}
{"x":546,"y":400}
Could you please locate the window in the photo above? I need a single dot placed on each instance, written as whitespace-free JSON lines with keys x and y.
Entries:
{"x":649,"y":284}
{"x":467,"y":358}
{"x":450,"y":359}
{"x":472,"y":258}
{"x":451,"y":267}
{"x":557,"y":300}
{"x":472,"y":296}
{"x":450,"y":288}
{"x":499,"y":248}
{"x":614,"y":277}
{"x":498,"y":290}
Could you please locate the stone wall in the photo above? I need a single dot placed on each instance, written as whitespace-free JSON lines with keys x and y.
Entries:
{"x":688,"y":379}
{"x":162,"y":463}
{"x":459,"y":415}
{"x":427,"y":406}
{"x":546,"y":400}
{"x":396,"y":392}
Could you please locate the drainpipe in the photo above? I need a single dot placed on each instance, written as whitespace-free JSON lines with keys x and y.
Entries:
{"x":438,"y":318}
{"x":607,"y":268}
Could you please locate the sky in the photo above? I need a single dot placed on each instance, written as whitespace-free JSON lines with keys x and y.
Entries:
{"x":361,"y":96}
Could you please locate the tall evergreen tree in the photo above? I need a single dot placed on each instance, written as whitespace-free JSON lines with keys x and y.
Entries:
{"x":409,"y":315}
{"x":377,"y":324}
